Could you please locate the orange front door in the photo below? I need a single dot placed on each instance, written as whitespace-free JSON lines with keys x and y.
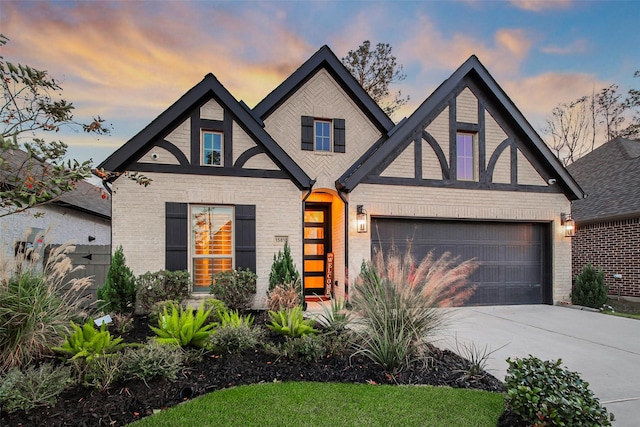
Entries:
{"x":317,"y":244}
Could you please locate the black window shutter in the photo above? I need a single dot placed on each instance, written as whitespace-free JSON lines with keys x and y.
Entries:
{"x":307,"y":133}
{"x":177,"y":230}
{"x":245,"y":237}
{"x":339,"y":139}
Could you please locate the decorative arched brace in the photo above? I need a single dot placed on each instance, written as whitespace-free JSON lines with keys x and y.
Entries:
{"x":244,"y":157}
{"x":495,"y":156}
{"x":426,"y":136}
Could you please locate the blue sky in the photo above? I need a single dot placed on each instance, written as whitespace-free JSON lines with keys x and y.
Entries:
{"x":129,"y":61}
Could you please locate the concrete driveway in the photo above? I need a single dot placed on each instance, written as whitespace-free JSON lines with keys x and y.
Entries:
{"x":604,"y":349}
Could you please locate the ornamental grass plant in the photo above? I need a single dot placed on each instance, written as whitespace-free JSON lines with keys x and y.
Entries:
{"x":398,"y":301}
{"x":37,"y":304}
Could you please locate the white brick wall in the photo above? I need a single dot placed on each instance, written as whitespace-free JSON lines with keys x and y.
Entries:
{"x":467,"y":107}
{"x":139,"y":216}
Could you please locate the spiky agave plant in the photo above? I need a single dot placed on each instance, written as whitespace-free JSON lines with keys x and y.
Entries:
{"x":399,"y":303}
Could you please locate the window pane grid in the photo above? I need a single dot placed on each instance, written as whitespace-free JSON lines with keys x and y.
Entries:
{"x":212,"y":243}
{"x":323,"y":136}
{"x":464,"y":163}
{"x":212,"y":148}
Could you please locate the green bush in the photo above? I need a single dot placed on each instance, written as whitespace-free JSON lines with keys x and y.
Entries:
{"x":542,"y":393}
{"x":183,"y":327}
{"x":589,"y":289}
{"x":103,"y":370}
{"x":87,"y":342}
{"x":307,"y":348}
{"x":36,"y":307}
{"x":234,"y":288}
{"x":33,"y":387}
{"x":235,"y":338}
{"x":398,"y":299}
{"x":162,"y":285}
{"x":283,"y":270}
{"x":118,"y":294}
{"x":157,"y":310}
{"x":291,"y":322}
{"x":216,"y":307}
{"x":153,"y":360}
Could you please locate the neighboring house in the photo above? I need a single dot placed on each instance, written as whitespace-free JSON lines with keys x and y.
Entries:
{"x":465,"y":173}
{"x":608,"y":219}
{"x":82,"y":216}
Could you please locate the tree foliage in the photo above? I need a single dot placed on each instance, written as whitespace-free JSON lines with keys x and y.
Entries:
{"x":32,"y":105}
{"x":376,"y":69}
{"x":119,"y":291}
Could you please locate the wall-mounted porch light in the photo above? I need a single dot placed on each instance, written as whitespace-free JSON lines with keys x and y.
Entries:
{"x":569,"y":224}
{"x":361,"y":219}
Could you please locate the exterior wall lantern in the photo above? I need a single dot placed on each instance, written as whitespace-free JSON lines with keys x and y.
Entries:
{"x":569,"y":224}
{"x":361,"y":219}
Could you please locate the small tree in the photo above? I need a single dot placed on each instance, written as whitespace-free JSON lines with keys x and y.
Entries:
{"x":283,"y":271}
{"x":375,"y":69}
{"x":119,"y":290}
{"x":589,"y":289}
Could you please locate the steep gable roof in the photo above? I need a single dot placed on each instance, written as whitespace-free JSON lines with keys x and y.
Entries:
{"x":136,"y":146}
{"x":474,"y":71}
{"x":84,"y":198}
{"x":610,"y":176}
{"x":325,"y":58}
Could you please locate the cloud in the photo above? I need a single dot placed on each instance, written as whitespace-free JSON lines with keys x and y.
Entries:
{"x":578,"y":46}
{"x":541,"y":5}
{"x":435,"y":50}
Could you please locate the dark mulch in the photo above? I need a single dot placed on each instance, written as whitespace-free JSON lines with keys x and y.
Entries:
{"x":128,"y":401}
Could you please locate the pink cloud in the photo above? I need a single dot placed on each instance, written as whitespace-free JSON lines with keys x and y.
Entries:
{"x":541,"y":5}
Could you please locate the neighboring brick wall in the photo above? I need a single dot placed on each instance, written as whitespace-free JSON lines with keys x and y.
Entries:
{"x":613,"y":246}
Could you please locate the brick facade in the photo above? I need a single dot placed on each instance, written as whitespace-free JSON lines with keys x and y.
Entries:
{"x":614,"y":247}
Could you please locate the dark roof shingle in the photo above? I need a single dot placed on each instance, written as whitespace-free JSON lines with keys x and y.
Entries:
{"x":610,"y":177}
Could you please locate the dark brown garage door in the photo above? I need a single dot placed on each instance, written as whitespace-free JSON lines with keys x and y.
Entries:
{"x":511,"y":256}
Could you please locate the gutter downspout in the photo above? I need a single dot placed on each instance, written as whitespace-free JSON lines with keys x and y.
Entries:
{"x":304,"y":200}
{"x":346,"y":246}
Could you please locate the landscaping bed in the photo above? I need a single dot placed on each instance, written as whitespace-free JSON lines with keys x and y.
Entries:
{"x":127,"y":401}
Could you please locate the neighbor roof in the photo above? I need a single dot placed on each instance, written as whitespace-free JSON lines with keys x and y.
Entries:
{"x":610,"y":176}
{"x":473,"y":69}
{"x":85,"y":198}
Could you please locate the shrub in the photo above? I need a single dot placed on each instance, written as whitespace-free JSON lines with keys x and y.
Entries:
{"x":291,"y":322}
{"x":234,"y":319}
{"x":36,"y":308}
{"x":283,"y":270}
{"x":216,"y":307}
{"x":307,"y":348}
{"x":103,"y":370}
{"x":544,"y":394}
{"x":183,"y":327}
{"x":232,"y":338}
{"x":157,"y":310}
{"x":162,"y":285}
{"x":336,"y":317}
{"x":118,"y":294}
{"x":589,"y":289}
{"x":87,"y":343}
{"x":397,"y":302}
{"x":153,"y":360}
{"x":35,"y":386}
{"x":283,"y":296}
{"x":234,"y":288}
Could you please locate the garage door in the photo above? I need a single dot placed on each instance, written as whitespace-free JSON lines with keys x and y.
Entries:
{"x":511,"y":256}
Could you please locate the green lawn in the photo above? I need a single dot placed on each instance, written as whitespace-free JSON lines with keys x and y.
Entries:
{"x":335,"y":405}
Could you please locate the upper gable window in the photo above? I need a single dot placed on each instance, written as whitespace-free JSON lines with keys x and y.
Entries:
{"x":465,"y":157}
{"x":322,"y":135}
{"x":211,"y":148}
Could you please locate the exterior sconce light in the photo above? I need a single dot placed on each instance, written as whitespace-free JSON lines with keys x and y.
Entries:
{"x":569,"y":224}
{"x":361,"y":219}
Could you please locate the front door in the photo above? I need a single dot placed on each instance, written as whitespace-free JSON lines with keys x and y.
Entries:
{"x":317,"y":244}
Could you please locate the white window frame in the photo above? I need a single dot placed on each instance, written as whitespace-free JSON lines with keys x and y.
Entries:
{"x":193,"y":256}
{"x":202,"y":148}
{"x":474,"y":156}
{"x":315,"y":135}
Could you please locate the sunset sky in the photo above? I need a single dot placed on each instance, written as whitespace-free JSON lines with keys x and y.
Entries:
{"x":129,"y":61}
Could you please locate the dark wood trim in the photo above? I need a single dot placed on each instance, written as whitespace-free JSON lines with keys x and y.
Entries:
{"x":453,"y":140}
{"x":249,"y":153}
{"x":547,"y":262}
{"x":482,"y":143}
{"x":467,"y":127}
{"x":227,"y":129}
{"x":494,"y":158}
{"x":212,"y":125}
{"x":417,"y":156}
{"x":196,"y":143}
{"x":470,"y":185}
{"x":514,"y":164}
{"x":179,"y":155}
{"x":208,"y":170}
{"x":446,"y":174}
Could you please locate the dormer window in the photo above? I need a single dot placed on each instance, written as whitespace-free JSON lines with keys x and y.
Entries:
{"x":211,"y":148}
